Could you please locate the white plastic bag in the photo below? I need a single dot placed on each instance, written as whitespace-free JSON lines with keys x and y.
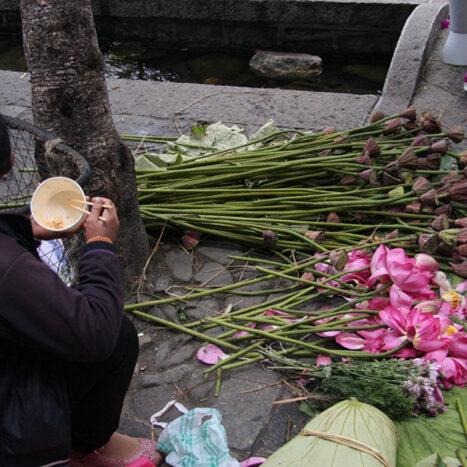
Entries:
{"x":196,"y":439}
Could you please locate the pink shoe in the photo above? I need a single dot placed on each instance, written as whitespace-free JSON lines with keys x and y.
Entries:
{"x":146,"y":456}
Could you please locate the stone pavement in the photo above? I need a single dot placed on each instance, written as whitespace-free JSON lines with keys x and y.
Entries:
{"x":167,"y":367}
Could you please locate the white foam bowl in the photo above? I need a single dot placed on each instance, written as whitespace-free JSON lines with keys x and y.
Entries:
{"x":50,"y":204}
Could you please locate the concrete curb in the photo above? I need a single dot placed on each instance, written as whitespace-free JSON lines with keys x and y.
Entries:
{"x":414,"y":46}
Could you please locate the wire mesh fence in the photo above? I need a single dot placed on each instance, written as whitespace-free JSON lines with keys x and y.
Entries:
{"x":38,"y":154}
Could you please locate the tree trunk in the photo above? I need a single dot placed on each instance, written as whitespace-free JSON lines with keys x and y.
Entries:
{"x":69,"y":98}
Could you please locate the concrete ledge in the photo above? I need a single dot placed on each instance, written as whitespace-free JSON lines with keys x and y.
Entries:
{"x":413,"y":48}
{"x":145,"y":107}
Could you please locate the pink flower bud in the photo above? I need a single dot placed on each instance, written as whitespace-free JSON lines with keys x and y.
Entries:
{"x":456,"y":134}
{"x":391,"y":235}
{"x":410,"y":125}
{"x":364,"y":158}
{"x":460,"y":269}
{"x":428,"y":243}
{"x":408,"y":159}
{"x":343,"y":139}
{"x":333,"y":218}
{"x":410,"y":113}
{"x":441,"y":146}
{"x":421,"y":185}
{"x":414,"y":207}
{"x":420,"y":141}
{"x":452,"y":178}
{"x":430,"y":124}
{"x":325,"y":153}
{"x":430,"y":162}
{"x":371,"y":147}
{"x":430,"y":198}
{"x":441,"y":222}
{"x":393,"y":126}
{"x":270,"y":238}
{"x":462,"y":250}
{"x":462,"y":158}
{"x":348,"y":180}
{"x":306,"y":276}
{"x":389,"y":179}
{"x":190,"y":239}
{"x":338,"y":258}
{"x":462,"y":235}
{"x":426,"y":262}
{"x":376,"y":116}
{"x":462,"y":222}
{"x":369,"y":176}
{"x":444,"y":209}
{"x":329,"y":130}
{"x":458,"y":191}
{"x":316,"y":236}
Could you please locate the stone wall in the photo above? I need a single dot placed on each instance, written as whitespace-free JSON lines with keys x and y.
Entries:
{"x":315,"y":26}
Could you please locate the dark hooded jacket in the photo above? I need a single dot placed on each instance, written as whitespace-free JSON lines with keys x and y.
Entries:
{"x":43,"y":322}
{"x":39,"y":311}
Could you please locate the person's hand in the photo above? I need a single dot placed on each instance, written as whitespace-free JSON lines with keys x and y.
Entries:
{"x":41,"y":233}
{"x":108,"y":227}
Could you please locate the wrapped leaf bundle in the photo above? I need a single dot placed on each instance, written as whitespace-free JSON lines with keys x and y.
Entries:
{"x":349,"y":433}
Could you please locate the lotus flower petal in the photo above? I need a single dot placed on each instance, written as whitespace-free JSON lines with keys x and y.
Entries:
{"x":252,"y":462}
{"x":245,"y":333}
{"x":210,"y":354}
{"x":322,"y":360}
{"x":399,"y":299}
{"x":349,"y":340}
{"x":378,"y":266}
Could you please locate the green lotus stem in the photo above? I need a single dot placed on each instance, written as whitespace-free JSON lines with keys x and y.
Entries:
{"x":232,"y":357}
{"x":28,"y":169}
{"x":314,"y":283}
{"x":461,"y":457}
{"x":179,"y":327}
{"x":342,"y":353}
{"x":460,"y":409}
{"x":218,"y":382}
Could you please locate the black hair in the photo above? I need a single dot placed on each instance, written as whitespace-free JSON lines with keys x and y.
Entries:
{"x":5,"y":147}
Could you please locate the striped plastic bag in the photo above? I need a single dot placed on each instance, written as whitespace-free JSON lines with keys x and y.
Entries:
{"x":196,"y":439}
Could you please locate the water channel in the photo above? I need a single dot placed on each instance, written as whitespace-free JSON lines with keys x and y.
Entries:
{"x":148,"y":61}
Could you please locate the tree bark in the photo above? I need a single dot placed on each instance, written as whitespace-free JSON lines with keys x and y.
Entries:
{"x":69,"y":98}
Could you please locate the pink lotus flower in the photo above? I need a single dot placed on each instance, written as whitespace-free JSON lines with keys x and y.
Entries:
{"x":457,"y":345}
{"x":395,"y":265}
{"x":426,"y":262}
{"x":421,"y":329}
{"x":367,"y":341}
{"x":404,"y":273}
{"x":357,"y":260}
{"x":399,"y":299}
{"x":452,"y":369}
{"x":429,"y":306}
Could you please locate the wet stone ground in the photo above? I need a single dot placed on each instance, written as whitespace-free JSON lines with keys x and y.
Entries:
{"x":168,"y":369}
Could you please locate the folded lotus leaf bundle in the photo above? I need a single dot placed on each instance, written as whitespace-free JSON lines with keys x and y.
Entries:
{"x":350,"y":434}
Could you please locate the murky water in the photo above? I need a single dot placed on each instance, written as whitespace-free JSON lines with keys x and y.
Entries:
{"x":137,"y":60}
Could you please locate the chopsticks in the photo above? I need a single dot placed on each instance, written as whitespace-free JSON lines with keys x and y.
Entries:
{"x":84,"y":211}
{"x":108,"y":206}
